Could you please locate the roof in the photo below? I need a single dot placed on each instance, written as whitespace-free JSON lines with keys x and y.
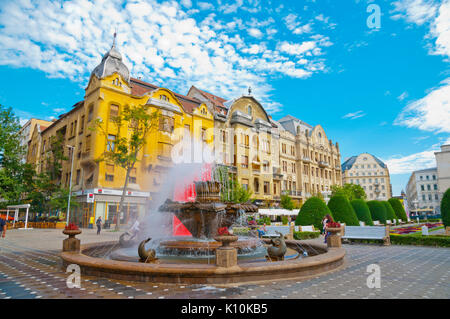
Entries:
{"x":216,"y":100}
{"x":291,"y":124}
{"x":426,"y":170}
{"x":139,"y":87}
{"x":349,"y":162}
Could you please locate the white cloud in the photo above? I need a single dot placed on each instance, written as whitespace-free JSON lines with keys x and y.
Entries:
{"x":407,"y":164}
{"x":402,"y":96}
{"x":355,"y":115}
{"x":431,"y":113}
{"x":254,"y":32}
{"x":415,"y":11}
{"x":159,"y":42}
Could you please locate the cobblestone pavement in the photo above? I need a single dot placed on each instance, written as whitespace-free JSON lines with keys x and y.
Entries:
{"x":406,"y":272}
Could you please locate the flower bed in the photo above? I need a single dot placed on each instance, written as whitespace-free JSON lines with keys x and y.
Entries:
{"x":414,"y":229}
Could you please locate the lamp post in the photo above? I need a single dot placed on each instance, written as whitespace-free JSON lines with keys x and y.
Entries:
{"x":325,"y":194}
{"x":416,"y":204}
{"x":70,"y":184}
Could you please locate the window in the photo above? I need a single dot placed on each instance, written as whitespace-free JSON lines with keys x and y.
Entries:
{"x":436,"y":197}
{"x":90,"y":113}
{"x":111,"y":143}
{"x":245,"y":183}
{"x":88,"y":143}
{"x":429,"y":187}
{"x":256,"y":185}
{"x":244,"y":159}
{"x":249,"y":110}
{"x":113,"y":111}
{"x":266,"y":188}
{"x":81,"y":125}
{"x":434,"y":177}
{"x":435,"y":187}
{"x":74,"y":128}
{"x":166,"y":124}
{"x":78,"y":177}
{"x":163,"y":97}
{"x":133,"y":175}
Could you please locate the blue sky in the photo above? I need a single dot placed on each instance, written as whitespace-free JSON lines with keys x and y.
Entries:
{"x":384,"y":91}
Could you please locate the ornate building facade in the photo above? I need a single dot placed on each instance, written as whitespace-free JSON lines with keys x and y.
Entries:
{"x":98,"y":184}
{"x":271,"y":157}
{"x":370,"y":173}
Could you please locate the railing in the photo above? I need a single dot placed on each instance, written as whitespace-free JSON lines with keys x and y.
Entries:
{"x":306,"y":159}
{"x":323,"y":163}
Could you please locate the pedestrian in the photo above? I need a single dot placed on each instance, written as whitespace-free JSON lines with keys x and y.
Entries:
{"x":2,"y":227}
{"x":327,"y":219}
{"x":99,"y":225}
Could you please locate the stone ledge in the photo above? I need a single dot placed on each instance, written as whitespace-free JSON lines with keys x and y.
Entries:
{"x":330,"y":260}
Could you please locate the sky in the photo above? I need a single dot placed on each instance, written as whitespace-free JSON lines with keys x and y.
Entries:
{"x":380,"y":86}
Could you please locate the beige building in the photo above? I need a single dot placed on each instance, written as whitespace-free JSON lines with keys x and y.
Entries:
{"x":271,"y":157}
{"x":370,"y":173}
{"x":27,"y":129}
{"x":443,"y":169}
{"x":422,"y":189}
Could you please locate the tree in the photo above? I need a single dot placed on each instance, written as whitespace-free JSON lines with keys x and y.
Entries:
{"x":362,"y":211}
{"x":45,"y":189}
{"x":231,"y":190}
{"x":398,"y":209}
{"x":287,"y":202}
{"x":15,"y":176}
{"x":351,"y":191}
{"x":377,"y":211}
{"x":390,"y":214}
{"x":445,"y":208}
{"x":312,"y":213}
{"x":342,"y":211}
{"x":133,"y":125}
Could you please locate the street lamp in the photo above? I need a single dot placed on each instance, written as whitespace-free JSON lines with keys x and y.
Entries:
{"x":70,"y":184}
{"x":325,"y":194}
{"x":416,"y":204}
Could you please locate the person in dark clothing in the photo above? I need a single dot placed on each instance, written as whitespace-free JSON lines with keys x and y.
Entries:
{"x":99,"y":225}
{"x":2,"y":227}
{"x":327,"y":219}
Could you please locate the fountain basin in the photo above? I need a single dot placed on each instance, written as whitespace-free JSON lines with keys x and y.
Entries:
{"x":188,"y":273}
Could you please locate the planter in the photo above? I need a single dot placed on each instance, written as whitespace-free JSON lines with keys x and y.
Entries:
{"x":226,"y":240}
{"x":334,"y":240}
{"x":71,"y":244}
{"x":226,"y":256}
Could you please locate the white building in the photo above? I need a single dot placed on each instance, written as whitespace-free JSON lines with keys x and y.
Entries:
{"x":370,"y":173}
{"x":423,"y":187}
{"x":443,"y":169}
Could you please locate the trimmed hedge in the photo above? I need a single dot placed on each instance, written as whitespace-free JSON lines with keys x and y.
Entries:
{"x":445,"y":208}
{"x":306,"y":235}
{"x":312,"y":213}
{"x":362,"y":211}
{"x":398,"y":209}
{"x":342,"y":211}
{"x":390,"y":214}
{"x":377,"y":211}
{"x":414,"y":240}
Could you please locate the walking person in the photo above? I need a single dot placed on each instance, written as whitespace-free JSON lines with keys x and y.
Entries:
{"x":99,"y":225}
{"x":2,"y":227}
{"x":327,"y":219}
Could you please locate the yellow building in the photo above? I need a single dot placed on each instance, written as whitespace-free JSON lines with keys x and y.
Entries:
{"x":98,"y":185}
{"x":271,"y":157}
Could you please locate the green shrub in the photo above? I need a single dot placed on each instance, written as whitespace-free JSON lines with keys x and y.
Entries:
{"x":390,"y":214}
{"x":267,"y":221}
{"x":342,"y":211}
{"x":362,"y":211}
{"x":299,"y":235}
{"x":241,"y":231}
{"x":421,"y":240}
{"x":398,"y":209}
{"x":312,"y":213}
{"x":445,"y":208}
{"x":377,"y":211}
{"x":284,"y":220}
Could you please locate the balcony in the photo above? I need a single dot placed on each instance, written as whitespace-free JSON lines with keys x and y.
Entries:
{"x":292,"y":193}
{"x":306,"y":159}
{"x":323,"y":164}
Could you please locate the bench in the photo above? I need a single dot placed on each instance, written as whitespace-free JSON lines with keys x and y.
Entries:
{"x":367,"y":232}
{"x":307,"y":228}
{"x":271,"y":231}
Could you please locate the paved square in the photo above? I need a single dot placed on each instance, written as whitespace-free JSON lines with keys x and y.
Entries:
{"x":31,"y":268}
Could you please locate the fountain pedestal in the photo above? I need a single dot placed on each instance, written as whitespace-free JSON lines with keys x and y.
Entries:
{"x":334,"y":240}
{"x":71,"y":243}
{"x":226,"y":255}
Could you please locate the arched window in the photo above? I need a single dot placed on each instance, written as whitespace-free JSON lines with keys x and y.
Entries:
{"x":249,"y":110}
